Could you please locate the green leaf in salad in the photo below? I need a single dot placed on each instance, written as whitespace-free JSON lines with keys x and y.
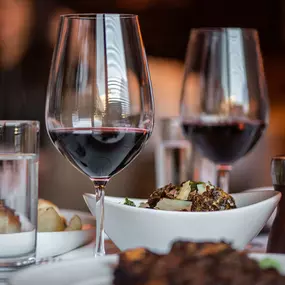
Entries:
{"x":129,"y":202}
{"x":194,"y":184}
{"x":187,"y":187}
{"x":267,"y":263}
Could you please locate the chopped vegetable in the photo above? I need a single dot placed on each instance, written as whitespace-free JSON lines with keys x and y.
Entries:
{"x":267,"y":263}
{"x":184,"y":192}
{"x":201,"y":188}
{"x":169,"y":191}
{"x":129,"y":202}
{"x":204,"y":197}
{"x":191,"y":196}
{"x":173,"y":205}
{"x":144,"y":205}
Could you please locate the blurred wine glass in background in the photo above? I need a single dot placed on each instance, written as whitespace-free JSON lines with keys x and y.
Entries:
{"x":226,"y":115}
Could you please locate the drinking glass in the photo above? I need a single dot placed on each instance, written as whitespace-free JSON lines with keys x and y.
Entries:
{"x":173,"y":154}
{"x":224,"y":106}
{"x":19,"y":162}
{"x":99,"y":109}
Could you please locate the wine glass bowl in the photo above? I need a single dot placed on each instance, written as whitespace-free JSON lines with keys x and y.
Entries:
{"x":99,"y":109}
{"x":224,"y":106}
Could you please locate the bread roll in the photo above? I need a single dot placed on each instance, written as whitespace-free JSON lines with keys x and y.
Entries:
{"x":74,"y":224}
{"x":45,"y":204}
{"x":9,"y":222}
{"x":50,"y":221}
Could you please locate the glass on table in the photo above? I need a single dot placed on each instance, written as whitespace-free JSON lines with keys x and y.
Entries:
{"x":176,"y":158}
{"x":99,"y":109}
{"x":19,"y":160}
{"x":173,"y":153}
{"x":224,"y":111}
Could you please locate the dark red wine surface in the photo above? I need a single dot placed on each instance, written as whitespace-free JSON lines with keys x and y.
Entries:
{"x":224,"y":142}
{"x":99,"y":152}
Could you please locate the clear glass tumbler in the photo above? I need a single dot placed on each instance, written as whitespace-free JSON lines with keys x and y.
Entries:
{"x":19,"y":160}
{"x":173,"y":154}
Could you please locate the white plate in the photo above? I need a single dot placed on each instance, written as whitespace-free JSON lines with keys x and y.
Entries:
{"x":96,"y":271}
{"x":55,"y":243}
{"x":280,"y":258}
{"x":89,"y":271}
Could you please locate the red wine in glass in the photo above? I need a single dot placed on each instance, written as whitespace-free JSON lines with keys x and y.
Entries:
{"x":224,"y":142}
{"x":99,"y":152}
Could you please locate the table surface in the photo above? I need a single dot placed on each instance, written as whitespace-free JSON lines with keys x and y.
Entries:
{"x":257,"y":245}
{"x":110,"y":247}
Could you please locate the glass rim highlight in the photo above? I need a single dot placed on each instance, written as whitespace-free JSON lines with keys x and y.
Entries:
{"x":94,"y":16}
{"x":19,"y":122}
{"x":222,"y":29}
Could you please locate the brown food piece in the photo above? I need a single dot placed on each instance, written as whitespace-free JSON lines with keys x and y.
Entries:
{"x":169,"y":191}
{"x":193,"y":264}
{"x":200,"y":249}
{"x":214,"y":199}
{"x":133,"y":266}
{"x":9,"y":222}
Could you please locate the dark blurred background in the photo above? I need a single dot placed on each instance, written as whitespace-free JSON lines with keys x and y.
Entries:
{"x":28,"y":33}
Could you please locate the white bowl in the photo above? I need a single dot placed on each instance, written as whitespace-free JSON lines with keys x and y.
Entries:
{"x":130,"y":227}
{"x":268,"y":188}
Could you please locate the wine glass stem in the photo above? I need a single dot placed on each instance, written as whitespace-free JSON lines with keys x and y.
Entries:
{"x":223,"y":177}
{"x":100,"y":240}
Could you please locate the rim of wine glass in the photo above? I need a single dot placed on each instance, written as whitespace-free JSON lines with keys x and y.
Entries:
{"x":14,"y":122}
{"x":222,"y":29}
{"x":91,"y":16}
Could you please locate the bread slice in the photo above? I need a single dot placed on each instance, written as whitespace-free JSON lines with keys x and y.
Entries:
{"x":50,"y":221}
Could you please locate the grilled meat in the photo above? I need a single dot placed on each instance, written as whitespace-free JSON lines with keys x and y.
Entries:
{"x":193,"y":264}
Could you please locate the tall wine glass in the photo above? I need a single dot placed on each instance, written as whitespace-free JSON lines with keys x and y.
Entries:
{"x":224,"y":106}
{"x":99,"y":109}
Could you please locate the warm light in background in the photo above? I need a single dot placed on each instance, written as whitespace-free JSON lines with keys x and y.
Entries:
{"x":16,"y":20}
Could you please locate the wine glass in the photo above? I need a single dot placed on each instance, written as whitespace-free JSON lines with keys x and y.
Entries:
{"x":224,"y":105}
{"x":99,"y":109}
